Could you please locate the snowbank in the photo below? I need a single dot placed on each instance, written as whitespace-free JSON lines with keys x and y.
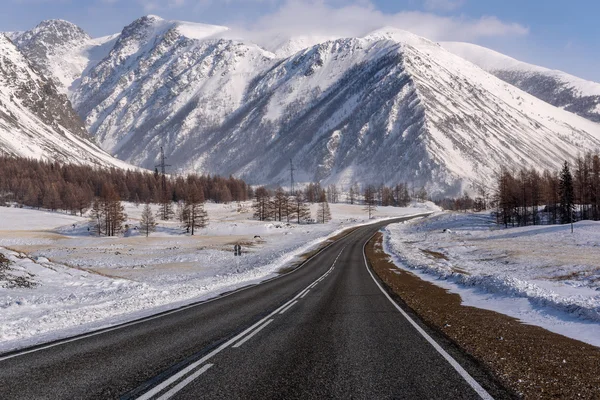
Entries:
{"x":81,"y":283}
{"x":543,"y":275}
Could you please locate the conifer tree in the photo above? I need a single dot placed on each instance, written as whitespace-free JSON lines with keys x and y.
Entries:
{"x":567,"y":195}
{"x":195,"y":215}
{"x":261,"y":203}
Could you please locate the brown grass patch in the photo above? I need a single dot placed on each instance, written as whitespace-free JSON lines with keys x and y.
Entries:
{"x":435,"y":254}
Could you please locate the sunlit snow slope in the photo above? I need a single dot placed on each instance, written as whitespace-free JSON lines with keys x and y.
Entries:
{"x":555,"y":87}
{"x":62,"y":51}
{"x":36,"y":120}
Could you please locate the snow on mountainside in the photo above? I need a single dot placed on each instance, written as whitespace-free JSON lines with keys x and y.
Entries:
{"x":555,"y":87}
{"x":162,"y":84}
{"x":36,"y":120}
{"x":61,"y":50}
{"x":389,"y":107}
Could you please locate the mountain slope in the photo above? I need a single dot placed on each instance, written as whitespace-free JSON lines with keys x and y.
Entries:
{"x":164,"y":83}
{"x":390,"y":107}
{"x":555,"y":87}
{"x":62,"y":51}
{"x":36,"y":120}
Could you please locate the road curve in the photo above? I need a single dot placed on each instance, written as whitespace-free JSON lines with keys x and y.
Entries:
{"x":326,"y":330}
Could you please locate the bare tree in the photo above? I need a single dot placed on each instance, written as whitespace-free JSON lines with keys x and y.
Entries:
{"x":196,"y":215}
{"x":107,"y":212}
{"x":323,"y":213}
{"x":261,"y":203}
{"x":147,"y":223}
{"x":369,"y":200}
{"x":279,"y":205}
{"x":301,"y":210}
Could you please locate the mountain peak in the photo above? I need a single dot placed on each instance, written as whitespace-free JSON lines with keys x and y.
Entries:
{"x":152,"y":25}
{"x":55,"y":32}
{"x":153,"y":17}
{"x":400,"y":36}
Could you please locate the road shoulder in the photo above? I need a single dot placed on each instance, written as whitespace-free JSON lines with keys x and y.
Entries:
{"x":532,"y":361}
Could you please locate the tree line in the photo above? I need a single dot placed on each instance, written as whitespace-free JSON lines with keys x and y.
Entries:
{"x":528,"y":197}
{"x":381,"y":195}
{"x":278,"y":205}
{"x":73,"y":188}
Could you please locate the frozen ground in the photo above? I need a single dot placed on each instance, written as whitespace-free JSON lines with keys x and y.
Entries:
{"x":542,"y":275}
{"x":62,"y":281}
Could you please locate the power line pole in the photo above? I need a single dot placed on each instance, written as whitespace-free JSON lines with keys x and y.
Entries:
{"x":163,"y":170}
{"x":292,"y":169}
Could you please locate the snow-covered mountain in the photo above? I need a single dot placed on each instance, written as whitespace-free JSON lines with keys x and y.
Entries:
{"x":558,"y":88}
{"x":36,"y":120}
{"x":389,"y":107}
{"x":62,"y":51}
{"x":385,"y":108}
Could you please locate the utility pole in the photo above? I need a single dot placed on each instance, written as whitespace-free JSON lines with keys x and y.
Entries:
{"x":292,"y":169}
{"x":163,"y":171}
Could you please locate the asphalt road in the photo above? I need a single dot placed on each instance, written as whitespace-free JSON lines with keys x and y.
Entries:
{"x":326,"y":330}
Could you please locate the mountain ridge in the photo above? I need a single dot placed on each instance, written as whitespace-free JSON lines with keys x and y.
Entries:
{"x":563,"y":90}
{"x":36,"y":120}
{"x":384,"y":108}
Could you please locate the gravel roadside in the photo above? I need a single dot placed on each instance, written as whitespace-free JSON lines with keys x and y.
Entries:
{"x":533,"y":362}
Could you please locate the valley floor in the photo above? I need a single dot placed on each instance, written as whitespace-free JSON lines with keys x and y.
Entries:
{"x":541,"y":275}
{"x":57,"y":280}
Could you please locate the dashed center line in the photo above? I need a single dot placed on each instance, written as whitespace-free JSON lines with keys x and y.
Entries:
{"x":260,"y":328}
{"x":288,"y":307}
{"x":185,"y":382}
{"x":240,"y":339}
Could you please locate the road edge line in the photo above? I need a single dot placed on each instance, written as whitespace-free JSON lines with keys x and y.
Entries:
{"x":461,"y":371}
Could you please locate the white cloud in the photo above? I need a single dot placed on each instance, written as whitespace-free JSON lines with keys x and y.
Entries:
{"x":343,"y":18}
{"x":325,"y":18}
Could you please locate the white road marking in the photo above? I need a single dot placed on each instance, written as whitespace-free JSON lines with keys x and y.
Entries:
{"x":160,"y":387}
{"x":288,"y":307}
{"x":305,"y":293}
{"x":468,"y":378}
{"x":260,"y":328}
{"x":164,"y":314}
{"x":185,"y":382}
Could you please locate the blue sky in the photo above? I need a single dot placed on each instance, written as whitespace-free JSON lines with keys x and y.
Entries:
{"x":556,"y":34}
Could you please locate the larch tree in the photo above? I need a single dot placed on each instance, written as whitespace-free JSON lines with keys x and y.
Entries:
{"x":323,"y":213}
{"x":369,"y":200}
{"x":97,"y":217}
{"x":196,"y":215}
{"x":261,"y":203}
{"x":351,"y":195}
{"x":147,"y":223}
{"x":301,"y":210}
{"x":279,"y":205}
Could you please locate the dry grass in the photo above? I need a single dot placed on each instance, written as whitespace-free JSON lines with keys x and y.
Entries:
{"x":435,"y":254}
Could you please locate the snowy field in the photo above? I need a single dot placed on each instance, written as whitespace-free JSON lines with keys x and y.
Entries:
{"x":542,"y":275}
{"x":62,"y":281}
